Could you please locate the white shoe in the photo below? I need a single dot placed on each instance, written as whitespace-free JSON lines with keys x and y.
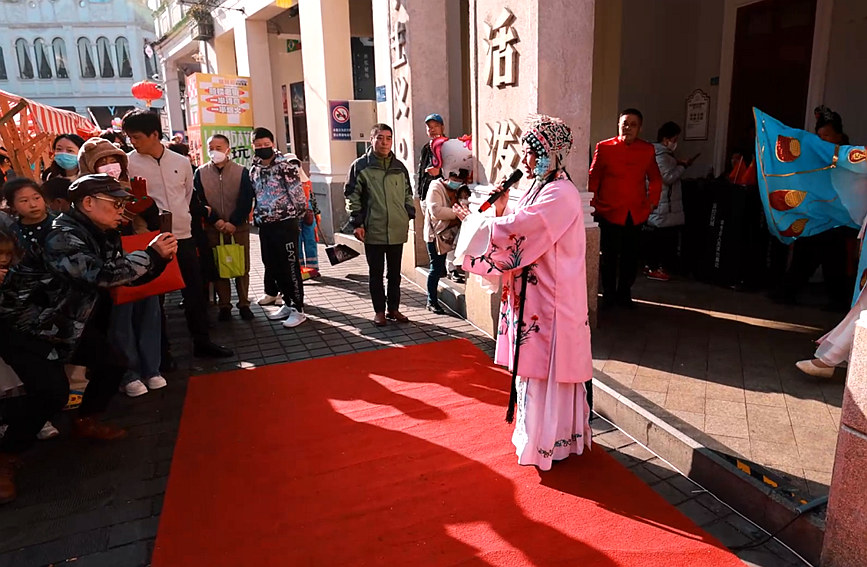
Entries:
{"x":811,"y":368}
{"x":48,"y":431}
{"x":281,"y":313}
{"x":134,"y":389}
{"x":295,"y":319}
{"x":269,"y":300}
{"x":155,"y":382}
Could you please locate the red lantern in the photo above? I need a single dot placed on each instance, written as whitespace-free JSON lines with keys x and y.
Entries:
{"x":147,"y":91}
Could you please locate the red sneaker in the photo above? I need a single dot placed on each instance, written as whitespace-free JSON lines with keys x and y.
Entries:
{"x":658,"y":275}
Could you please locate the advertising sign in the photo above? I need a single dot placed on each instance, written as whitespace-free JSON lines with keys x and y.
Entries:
{"x":340,"y":129}
{"x":697,"y":115}
{"x":219,"y":100}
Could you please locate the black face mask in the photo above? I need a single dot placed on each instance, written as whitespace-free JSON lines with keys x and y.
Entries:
{"x":264,"y":153}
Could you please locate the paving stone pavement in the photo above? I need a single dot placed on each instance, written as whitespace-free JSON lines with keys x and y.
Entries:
{"x":719,"y":365}
{"x":88,"y":504}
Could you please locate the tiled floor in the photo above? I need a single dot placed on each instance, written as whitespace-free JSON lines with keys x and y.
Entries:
{"x":719,"y":365}
{"x":98,"y":505}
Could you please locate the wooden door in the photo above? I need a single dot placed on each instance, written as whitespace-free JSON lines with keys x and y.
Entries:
{"x":773,"y":46}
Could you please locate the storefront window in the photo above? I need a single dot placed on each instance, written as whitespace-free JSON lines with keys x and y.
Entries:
{"x":3,"y":76}
{"x":25,"y":64}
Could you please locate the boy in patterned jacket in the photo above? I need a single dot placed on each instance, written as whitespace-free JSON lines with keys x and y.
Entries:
{"x":280,"y":206}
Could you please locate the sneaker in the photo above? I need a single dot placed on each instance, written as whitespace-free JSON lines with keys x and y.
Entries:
{"x":281,"y":313}
{"x":155,"y":382}
{"x":134,"y":389}
{"x":246,"y":314}
{"x":225,"y":314}
{"x":658,"y":275}
{"x":295,"y":319}
{"x":810,"y":367}
{"x":267,"y":299}
{"x":48,"y":431}
{"x":435,"y":308}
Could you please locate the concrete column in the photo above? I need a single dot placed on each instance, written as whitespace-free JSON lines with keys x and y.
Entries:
{"x":327,"y":60}
{"x":173,"y":95}
{"x":224,"y":49}
{"x":845,"y":544}
{"x":254,"y":61}
{"x":530,"y":57}
{"x":417,"y":37}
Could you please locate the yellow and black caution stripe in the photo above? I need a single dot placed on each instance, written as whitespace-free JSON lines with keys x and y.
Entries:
{"x":762,"y":474}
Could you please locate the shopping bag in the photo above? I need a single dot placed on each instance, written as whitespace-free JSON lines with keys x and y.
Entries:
{"x":337,"y":253}
{"x":229,"y":259}
{"x":169,"y":280}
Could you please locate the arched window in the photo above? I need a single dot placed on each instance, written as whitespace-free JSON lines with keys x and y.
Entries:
{"x":103,"y":55}
{"x":150,"y":58}
{"x":124,"y":65}
{"x":25,"y":64}
{"x":85,"y":58}
{"x":43,"y":62}
{"x":3,"y":76}
{"x":58,"y":46}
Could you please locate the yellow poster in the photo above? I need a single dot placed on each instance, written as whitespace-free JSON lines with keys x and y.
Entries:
{"x":219,"y":100}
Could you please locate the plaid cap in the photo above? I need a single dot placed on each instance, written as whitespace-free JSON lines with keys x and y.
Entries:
{"x":97,"y":183}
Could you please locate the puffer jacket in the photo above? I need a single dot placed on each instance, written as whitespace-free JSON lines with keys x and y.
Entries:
{"x":379,"y":198}
{"x":669,"y":212}
{"x":50,"y":297}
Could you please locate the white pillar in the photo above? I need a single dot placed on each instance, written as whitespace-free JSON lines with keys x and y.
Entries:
{"x":327,"y":60}
{"x":254,"y":61}
{"x":173,"y":95}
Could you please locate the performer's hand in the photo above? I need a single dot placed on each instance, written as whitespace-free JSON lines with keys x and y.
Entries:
{"x":359,"y":233}
{"x":501,"y":203}
{"x":461,"y":211}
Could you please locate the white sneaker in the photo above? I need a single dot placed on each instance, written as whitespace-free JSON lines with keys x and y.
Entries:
{"x":134,"y":389}
{"x":811,"y":368}
{"x":295,"y":319}
{"x":270,"y":300}
{"x":48,"y":431}
{"x":281,"y":313}
{"x":155,"y":382}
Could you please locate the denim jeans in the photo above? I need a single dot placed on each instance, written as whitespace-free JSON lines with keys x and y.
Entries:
{"x":437,"y":270}
{"x":136,"y":332}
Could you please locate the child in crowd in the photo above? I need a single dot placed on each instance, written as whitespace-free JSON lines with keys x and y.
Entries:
{"x":10,"y":253}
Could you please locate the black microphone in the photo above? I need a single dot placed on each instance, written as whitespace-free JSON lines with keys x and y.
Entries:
{"x":514,"y":178}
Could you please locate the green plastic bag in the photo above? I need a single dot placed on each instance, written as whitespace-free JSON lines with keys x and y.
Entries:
{"x":229,"y":259}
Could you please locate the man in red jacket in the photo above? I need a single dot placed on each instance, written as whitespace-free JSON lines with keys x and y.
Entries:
{"x":619,"y":175}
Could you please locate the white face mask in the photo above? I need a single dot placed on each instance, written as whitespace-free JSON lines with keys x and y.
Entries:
{"x":217,"y":157}
{"x":112,"y":169}
{"x":672,"y":146}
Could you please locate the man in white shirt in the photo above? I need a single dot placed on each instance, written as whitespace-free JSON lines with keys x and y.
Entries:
{"x":170,"y":184}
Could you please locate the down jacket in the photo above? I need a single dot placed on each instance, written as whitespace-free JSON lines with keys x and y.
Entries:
{"x":50,"y":297}
{"x":669,"y":212}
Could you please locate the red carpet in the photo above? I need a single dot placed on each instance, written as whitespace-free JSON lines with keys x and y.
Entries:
{"x":397,"y":457}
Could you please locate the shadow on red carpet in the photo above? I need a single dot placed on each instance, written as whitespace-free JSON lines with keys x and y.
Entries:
{"x":396,"y":457}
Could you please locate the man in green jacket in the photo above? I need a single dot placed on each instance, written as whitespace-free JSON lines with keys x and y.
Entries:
{"x":379,"y":200}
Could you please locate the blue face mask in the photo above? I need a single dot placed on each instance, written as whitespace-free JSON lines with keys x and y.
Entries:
{"x":66,"y":161}
{"x":455,"y":185}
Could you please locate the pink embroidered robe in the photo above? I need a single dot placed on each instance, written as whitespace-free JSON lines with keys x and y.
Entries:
{"x":545,"y":232}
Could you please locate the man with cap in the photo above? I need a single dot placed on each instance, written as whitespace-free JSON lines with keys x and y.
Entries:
{"x":54,"y":309}
{"x":430,"y":163}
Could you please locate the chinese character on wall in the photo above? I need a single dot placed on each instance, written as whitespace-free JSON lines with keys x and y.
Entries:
{"x":502,"y":55}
